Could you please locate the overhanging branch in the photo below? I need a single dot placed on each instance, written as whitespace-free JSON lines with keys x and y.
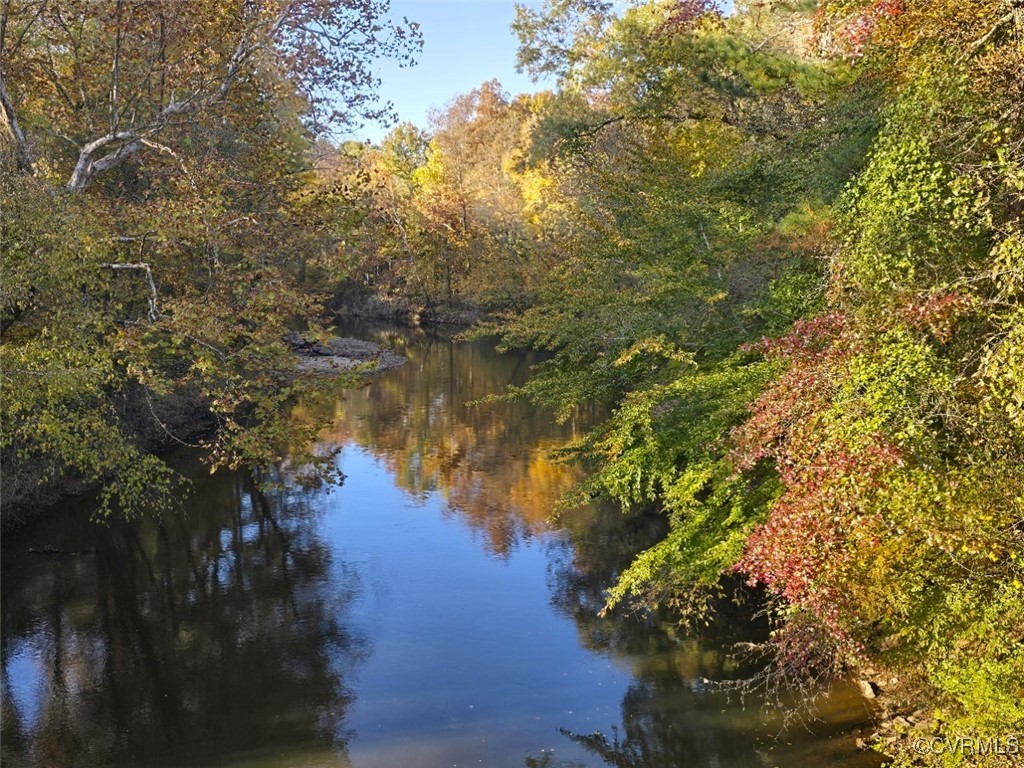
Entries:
{"x":154,"y":312}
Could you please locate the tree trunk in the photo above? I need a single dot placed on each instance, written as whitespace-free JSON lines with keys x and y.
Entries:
{"x":9,"y":123}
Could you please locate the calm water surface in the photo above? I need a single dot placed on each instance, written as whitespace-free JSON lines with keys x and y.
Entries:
{"x":426,"y":613}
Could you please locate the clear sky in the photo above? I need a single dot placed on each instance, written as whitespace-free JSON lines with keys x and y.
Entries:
{"x":465,"y":42}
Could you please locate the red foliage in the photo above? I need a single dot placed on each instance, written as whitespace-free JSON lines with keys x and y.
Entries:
{"x":813,"y":349}
{"x":853,"y":32}
{"x":684,"y":15}
{"x":935,"y":312}
{"x":813,"y":529}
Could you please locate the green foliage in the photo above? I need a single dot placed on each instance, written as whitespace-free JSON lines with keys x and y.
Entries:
{"x":556,"y":37}
{"x":648,"y":305}
{"x":867,"y":470}
{"x":659,"y":447}
{"x":784,"y":252}
{"x":94,"y":372}
{"x":158,"y":229}
{"x":904,"y":208}
{"x":896,"y":433}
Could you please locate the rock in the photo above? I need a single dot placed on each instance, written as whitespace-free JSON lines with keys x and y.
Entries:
{"x":867,"y":689}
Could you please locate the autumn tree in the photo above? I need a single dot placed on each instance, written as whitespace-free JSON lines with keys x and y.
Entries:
{"x":793,"y":269}
{"x":688,"y":159}
{"x":896,"y":426}
{"x":118,"y":78}
{"x":450,"y":219}
{"x":163,"y":149}
{"x":468,"y":189}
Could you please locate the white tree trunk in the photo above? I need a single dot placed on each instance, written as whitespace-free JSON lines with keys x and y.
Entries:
{"x":9,"y":122}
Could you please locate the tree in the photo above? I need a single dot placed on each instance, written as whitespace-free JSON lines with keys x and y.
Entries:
{"x":896,"y":429}
{"x":449,"y":214}
{"x":121,"y":77}
{"x":156,"y":285}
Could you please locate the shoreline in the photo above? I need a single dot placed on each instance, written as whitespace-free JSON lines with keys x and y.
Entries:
{"x":342,"y":354}
{"x":191,"y":419}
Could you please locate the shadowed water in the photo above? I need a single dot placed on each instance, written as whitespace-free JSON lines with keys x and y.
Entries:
{"x":428,"y":612}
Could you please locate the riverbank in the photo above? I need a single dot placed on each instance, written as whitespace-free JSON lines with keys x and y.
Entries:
{"x":342,"y":355}
{"x":158,"y":423}
{"x":353,"y":303}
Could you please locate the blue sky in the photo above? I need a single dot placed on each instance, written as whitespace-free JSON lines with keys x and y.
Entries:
{"x":465,"y":42}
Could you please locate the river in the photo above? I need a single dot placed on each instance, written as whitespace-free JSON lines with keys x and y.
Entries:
{"x":429,"y":612}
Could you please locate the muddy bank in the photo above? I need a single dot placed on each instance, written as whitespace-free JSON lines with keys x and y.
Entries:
{"x":342,"y":354}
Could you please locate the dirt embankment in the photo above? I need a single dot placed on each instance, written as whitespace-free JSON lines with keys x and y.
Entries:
{"x":339,"y":354}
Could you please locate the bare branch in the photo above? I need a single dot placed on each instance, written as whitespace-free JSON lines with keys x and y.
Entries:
{"x":981,"y":41}
{"x":5,"y":17}
{"x":154,"y":313}
{"x":115,"y":71}
{"x":163,"y":426}
{"x":86,"y":168}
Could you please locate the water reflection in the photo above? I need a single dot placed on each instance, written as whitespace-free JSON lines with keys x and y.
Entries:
{"x":240,"y":632}
{"x":683,"y":705}
{"x":490,"y":462}
{"x":672,"y":717}
{"x":216,"y":632}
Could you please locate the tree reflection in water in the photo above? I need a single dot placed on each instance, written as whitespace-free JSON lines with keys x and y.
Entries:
{"x":491,"y":462}
{"x":674,"y":713}
{"x":178,"y":640}
{"x":224,"y":635}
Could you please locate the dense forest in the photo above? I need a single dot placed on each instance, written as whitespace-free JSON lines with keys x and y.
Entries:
{"x":782,"y":247}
